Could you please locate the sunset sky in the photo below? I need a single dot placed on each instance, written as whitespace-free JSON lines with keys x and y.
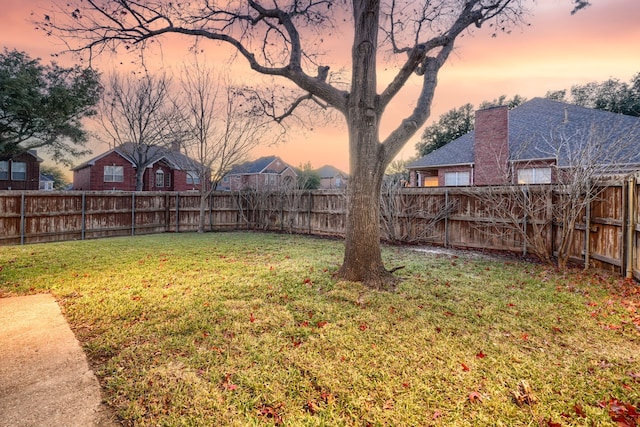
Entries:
{"x":555,"y":52}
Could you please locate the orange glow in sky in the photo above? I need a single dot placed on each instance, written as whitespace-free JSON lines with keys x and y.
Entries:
{"x":556,"y":51}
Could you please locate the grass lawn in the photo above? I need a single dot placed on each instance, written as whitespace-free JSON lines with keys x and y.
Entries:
{"x":251,"y":329}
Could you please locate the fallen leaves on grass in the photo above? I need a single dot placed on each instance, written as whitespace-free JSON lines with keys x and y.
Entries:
{"x":524,"y":394}
{"x":475,"y":397}
{"x":623,"y":414}
{"x":272,"y":413}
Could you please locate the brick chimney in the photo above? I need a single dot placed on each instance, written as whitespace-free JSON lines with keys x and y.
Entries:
{"x":492,"y":146}
{"x":175,"y":146}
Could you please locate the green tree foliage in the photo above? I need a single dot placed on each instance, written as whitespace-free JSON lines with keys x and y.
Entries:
{"x":457,"y":122}
{"x":511,"y":103}
{"x":41,"y":106}
{"x":397,"y":171}
{"x":451,"y":125}
{"x":609,"y":95}
{"x":308,"y":178}
{"x":59,"y":179}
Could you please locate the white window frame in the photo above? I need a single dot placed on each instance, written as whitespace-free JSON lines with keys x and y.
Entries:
{"x":535,"y":176}
{"x":159,"y":178}
{"x":457,"y":179}
{"x":111,"y":173}
{"x":193,"y":178}
{"x":16,"y":173}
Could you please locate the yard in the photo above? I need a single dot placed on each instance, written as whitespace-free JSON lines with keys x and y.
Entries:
{"x":250,"y":329}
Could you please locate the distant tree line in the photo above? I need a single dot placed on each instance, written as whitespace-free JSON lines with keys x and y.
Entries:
{"x":611,"y":95}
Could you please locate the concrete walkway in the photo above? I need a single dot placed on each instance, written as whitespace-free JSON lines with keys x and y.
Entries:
{"x":45,"y":379}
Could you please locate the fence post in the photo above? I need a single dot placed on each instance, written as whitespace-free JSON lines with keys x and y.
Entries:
{"x":211,"y":211}
{"x":177,"y":212}
{"x":167,"y":213}
{"x":22,"y":218}
{"x":133,"y":214}
{"x":83,"y":220}
{"x":631,"y":227}
{"x":527,"y":200}
{"x":587,"y":230}
{"x":309,"y":205}
{"x":446,"y":219}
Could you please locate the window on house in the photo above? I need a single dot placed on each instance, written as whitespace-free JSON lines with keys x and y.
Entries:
{"x":113,"y":174}
{"x":193,"y":178}
{"x":4,"y":170}
{"x":534,"y":176}
{"x":46,"y":185}
{"x":159,"y":178}
{"x":456,"y":179}
{"x":18,"y":171}
{"x":430,"y":181}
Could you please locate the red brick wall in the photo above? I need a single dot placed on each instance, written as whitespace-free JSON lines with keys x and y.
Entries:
{"x":97,"y":174}
{"x":82,"y":179}
{"x":492,"y":146}
{"x":442,"y":171}
{"x":150,"y":178}
{"x":33,"y":174}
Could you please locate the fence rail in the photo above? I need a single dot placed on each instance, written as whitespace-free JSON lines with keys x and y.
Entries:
{"x":606,"y":236}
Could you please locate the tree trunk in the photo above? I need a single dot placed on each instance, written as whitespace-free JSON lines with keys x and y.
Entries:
{"x":204,"y":195}
{"x":362,"y":257}
{"x":140,"y":178}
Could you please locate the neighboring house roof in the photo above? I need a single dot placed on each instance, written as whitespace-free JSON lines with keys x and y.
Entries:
{"x":44,"y":177}
{"x":32,"y":153}
{"x":328,"y":171}
{"x":547,"y":129}
{"x":262,"y":165}
{"x":154,"y":154}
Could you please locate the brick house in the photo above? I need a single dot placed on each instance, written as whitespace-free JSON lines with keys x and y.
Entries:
{"x":115,"y":170}
{"x":20,"y":172}
{"x":266,"y":173}
{"x":530,"y":145}
{"x":332,"y":177}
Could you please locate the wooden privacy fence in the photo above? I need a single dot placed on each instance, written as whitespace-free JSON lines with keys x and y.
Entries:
{"x":606,"y":234}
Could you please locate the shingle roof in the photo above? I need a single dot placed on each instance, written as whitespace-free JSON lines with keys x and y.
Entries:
{"x":258,"y":166}
{"x":328,"y":171}
{"x":543,"y":128}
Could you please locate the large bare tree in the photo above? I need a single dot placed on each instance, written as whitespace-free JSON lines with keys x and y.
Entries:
{"x":137,"y":116}
{"x":220,"y":129}
{"x":279,"y":38}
